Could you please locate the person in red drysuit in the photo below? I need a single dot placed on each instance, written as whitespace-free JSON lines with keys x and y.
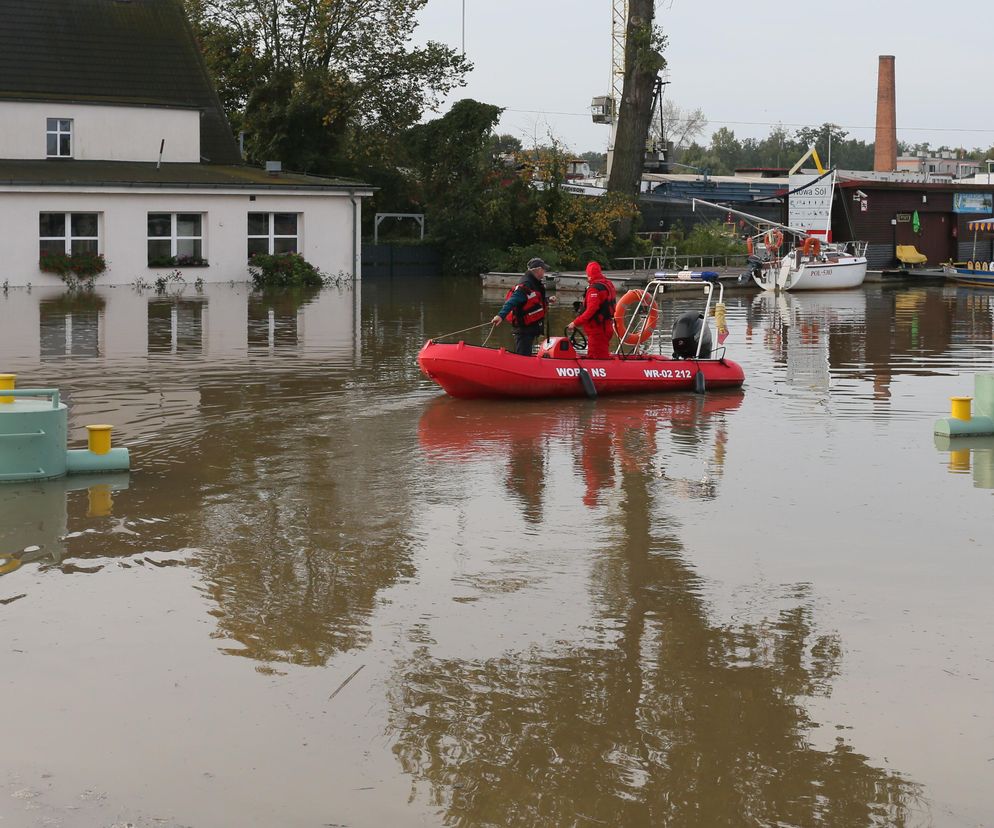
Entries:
{"x":597,"y":314}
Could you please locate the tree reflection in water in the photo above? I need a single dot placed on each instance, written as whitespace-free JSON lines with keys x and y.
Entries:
{"x":666,"y":718}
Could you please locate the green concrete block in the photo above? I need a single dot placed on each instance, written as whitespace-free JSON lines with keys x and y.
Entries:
{"x":975,"y":426}
{"x":84,"y":460}
{"x":983,"y":395}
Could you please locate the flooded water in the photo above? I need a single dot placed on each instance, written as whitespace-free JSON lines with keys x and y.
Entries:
{"x":326,"y":595}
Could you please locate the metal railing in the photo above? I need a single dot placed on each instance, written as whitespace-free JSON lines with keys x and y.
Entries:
{"x":665,"y":261}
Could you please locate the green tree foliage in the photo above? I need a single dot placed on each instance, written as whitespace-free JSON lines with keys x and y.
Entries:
{"x":780,"y":148}
{"x":482,"y":207}
{"x":322,"y":85}
{"x":455,"y":178}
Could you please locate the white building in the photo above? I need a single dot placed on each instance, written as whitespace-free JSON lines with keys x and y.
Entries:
{"x":113,"y":141}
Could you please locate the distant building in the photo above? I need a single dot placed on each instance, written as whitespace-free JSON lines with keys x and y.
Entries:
{"x":945,"y":165}
{"x":114,"y":142}
{"x":880,"y":209}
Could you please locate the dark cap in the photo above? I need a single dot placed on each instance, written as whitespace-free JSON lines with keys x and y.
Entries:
{"x":534,"y":263}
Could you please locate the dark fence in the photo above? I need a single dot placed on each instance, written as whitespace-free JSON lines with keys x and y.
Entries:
{"x":400,"y":260}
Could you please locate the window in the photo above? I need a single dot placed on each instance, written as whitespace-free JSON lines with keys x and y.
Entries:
{"x":69,"y":233}
{"x":272,"y":233}
{"x":58,"y":138}
{"x":175,"y":238}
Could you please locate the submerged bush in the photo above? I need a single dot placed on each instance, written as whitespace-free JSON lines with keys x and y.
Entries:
{"x":283,"y":270}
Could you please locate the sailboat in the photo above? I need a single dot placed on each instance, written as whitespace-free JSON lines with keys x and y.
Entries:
{"x":800,"y":255}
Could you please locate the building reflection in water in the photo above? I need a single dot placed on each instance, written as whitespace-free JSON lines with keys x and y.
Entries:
{"x":663,"y":717}
{"x":176,"y":325}
{"x":70,"y":325}
{"x":275,"y":318}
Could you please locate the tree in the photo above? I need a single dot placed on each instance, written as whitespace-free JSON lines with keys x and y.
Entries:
{"x":343,"y":71}
{"x":644,"y":43}
{"x":678,"y":127}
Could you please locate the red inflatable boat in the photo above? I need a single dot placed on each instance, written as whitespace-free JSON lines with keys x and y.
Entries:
{"x":558,"y":370}
{"x":470,"y":371}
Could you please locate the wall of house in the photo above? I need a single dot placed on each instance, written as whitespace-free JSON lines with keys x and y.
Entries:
{"x":102,"y":133}
{"x":329,"y":229}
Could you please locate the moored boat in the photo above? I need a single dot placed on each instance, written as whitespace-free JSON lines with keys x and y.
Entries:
{"x":560,"y":370}
{"x":975,"y":273}
{"x":800,"y":256}
{"x":972,"y":276}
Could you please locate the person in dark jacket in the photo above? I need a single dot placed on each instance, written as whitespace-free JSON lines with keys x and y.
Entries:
{"x":596,"y":319}
{"x":526,"y":307}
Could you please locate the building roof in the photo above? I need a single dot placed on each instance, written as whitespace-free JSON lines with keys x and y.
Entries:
{"x":123,"y":52}
{"x":141,"y":174}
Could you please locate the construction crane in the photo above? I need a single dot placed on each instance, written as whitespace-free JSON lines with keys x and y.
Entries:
{"x":604,"y":108}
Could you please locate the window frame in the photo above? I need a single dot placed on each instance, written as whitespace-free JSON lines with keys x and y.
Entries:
{"x":271,"y":236}
{"x":68,"y":238}
{"x":58,"y":132}
{"x":174,"y":237}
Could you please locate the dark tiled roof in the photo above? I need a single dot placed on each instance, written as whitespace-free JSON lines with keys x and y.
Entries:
{"x":111,"y":51}
{"x":66,"y":173}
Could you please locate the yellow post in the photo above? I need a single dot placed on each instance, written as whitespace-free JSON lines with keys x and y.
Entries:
{"x":7,"y":384}
{"x":960,"y":407}
{"x":99,"y":438}
{"x":959,"y":460}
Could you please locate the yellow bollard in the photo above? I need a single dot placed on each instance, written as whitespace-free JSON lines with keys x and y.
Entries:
{"x":7,"y":384}
{"x":960,"y":408}
{"x":959,"y":460}
{"x":99,"y":438}
{"x":100,"y":500}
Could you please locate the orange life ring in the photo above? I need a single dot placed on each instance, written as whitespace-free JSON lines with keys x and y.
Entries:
{"x":749,"y":246}
{"x":773,"y":240}
{"x":811,"y":246}
{"x":633,"y":297}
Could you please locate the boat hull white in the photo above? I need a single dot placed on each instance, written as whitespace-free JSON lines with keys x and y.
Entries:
{"x":846,"y":273}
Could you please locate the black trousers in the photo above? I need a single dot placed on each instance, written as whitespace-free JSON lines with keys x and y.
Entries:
{"x":524,"y":339}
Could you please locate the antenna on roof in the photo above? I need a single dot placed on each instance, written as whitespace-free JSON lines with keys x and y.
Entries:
{"x":162,"y":146}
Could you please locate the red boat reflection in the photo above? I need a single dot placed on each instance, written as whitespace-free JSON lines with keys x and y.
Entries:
{"x":614,"y":433}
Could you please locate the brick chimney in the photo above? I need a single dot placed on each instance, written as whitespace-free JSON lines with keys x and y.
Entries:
{"x":885,"y":146}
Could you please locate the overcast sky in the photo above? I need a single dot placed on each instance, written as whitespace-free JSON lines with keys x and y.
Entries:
{"x":747,"y":65}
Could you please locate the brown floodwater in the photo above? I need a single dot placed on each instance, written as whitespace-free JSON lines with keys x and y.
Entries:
{"x":326,"y":595}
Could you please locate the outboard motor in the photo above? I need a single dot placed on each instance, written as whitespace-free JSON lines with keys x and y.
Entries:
{"x":687,"y":330}
{"x":754,"y":265}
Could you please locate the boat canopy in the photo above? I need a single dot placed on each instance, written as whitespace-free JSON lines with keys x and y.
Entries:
{"x":984,"y":225}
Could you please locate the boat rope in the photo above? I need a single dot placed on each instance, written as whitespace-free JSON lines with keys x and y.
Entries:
{"x":492,"y":329}
{"x":474,"y":328}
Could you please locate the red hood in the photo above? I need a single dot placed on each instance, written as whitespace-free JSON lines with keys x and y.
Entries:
{"x":594,"y":273}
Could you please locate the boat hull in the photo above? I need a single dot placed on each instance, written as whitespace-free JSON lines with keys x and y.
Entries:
{"x":974,"y":278}
{"x":817,"y":276}
{"x":471,"y":371}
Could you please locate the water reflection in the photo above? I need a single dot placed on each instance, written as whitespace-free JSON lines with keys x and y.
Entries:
{"x":539,"y":585}
{"x":275,"y":317}
{"x":663,"y":718}
{"x":820,"y":338}
{"x":968,"y":454}
{"x":69,"y":324}
{"x":176,"y":325}
{"x":615,"y":435}
{"x":34,"y":517}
